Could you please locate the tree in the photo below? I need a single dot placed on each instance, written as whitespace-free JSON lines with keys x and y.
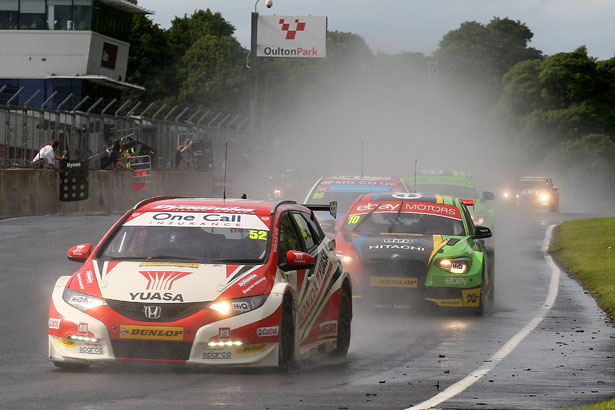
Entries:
{"x":214,"y":74}
{"x":568,"y":78}
{"x":148,"y":58}
{"x":482,"y":54}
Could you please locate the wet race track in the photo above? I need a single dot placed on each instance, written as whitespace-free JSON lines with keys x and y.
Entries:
{"x":523,"y":354}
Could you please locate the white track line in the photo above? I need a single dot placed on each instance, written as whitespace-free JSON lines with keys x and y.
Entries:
{"x":501,"y":354}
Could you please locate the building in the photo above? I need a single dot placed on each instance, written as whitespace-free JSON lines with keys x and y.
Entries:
{"x":77,"y":47}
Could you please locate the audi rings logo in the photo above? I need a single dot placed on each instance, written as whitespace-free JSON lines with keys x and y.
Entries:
{"x":152,"y":312}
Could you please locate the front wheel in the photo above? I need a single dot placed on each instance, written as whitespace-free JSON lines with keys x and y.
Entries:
{"x":343,"y":323}
{"x":286,"y":356}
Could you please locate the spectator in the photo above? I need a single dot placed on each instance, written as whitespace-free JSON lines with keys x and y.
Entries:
{"x":47,"y":155}
{"x":183,"y":155}
{"x":112,"y":157}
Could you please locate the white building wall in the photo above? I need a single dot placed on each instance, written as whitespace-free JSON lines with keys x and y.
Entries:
{"x":43,"y":53}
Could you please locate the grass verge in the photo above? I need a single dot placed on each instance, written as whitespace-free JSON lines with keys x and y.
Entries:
{"x":586,"y":249}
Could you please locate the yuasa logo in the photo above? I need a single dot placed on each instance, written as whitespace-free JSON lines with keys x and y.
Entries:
{"x":267,"y":331}
{"x":162,"y":280}
{"x":291,"y":33}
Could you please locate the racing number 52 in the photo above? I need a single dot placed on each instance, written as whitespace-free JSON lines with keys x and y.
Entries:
{"x":254,"y":234}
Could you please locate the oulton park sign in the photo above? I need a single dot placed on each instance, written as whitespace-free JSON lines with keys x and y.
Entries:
{"x":291,"y":36}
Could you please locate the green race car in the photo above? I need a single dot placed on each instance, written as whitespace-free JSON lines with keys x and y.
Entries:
{"x":455,"y":183}
{"x":414,"y":249}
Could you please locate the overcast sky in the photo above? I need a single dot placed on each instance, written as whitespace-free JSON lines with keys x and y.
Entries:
{"x":393,"y":26}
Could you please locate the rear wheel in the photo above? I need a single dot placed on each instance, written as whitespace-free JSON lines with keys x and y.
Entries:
{"x":286,"y":356}
{"x":343,"y":323}
{"x":71,"y":366}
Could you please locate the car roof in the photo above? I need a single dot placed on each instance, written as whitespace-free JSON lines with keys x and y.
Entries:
{"x":405,"y":196}
{"x":533,"y":178}
{"x":357,"y":180}
{"x":439,"y":176}
{"x":229,"y":205}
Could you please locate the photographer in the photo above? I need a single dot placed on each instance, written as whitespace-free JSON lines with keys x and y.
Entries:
{"x":183,"y":155}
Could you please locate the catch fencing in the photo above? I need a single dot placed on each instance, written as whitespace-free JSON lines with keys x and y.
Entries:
{"x":84,"y":133}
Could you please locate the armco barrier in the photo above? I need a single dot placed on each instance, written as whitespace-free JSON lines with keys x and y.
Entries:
{"x":25,"y":192}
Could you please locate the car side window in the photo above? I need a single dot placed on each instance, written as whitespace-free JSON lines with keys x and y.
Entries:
{"x":317,"y":232}
{"x":289,"y":240}
{"x":305,"y":231}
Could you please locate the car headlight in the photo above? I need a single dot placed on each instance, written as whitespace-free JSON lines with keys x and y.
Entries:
{"x":81,"y":301}
{"x":506,"y":195}
{"x":454,"y":265}
{"x":232,"y":307}
{"x":277,"y":193}
{"x":478,"y":219}
{"x":544,"y":197}
{"x":345,"y":259}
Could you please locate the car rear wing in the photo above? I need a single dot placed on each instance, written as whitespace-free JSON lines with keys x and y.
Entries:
{"x":332,"y":208}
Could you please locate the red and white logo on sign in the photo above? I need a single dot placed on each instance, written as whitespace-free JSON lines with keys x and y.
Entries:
{"x":290,"y":34}
{"x":162,"y":280}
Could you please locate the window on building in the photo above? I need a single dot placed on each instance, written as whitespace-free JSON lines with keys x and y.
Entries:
{"x":111,"y":22}
{"x":59,"y":15}
{"x":82,"y":14}
{"x":9,"y":14}
{"x":32,"y":15}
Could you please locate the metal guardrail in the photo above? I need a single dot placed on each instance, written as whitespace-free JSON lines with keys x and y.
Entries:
{"x":84,"y":132}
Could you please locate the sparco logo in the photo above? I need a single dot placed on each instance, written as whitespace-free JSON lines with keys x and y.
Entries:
{"x":290,"y":33}
{"x":216,"y":355}
{"x":267,"y":331}
{"x":162,"y":280}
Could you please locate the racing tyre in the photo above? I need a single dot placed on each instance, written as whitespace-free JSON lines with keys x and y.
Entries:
{"x":482,"y":302}
{"x":343,"y":323}
{"x":286,"y":356}
{"x":71,"y":366}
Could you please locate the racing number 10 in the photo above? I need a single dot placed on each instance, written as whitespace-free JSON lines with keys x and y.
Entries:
{"x":354,"y":219}
{"x":254,"y":234}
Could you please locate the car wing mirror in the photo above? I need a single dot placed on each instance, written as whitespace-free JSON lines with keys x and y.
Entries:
{"x":487,"y":195}
{"x":481,"y":232}
{"x":79,"y":253}
{"x":297,"y":260}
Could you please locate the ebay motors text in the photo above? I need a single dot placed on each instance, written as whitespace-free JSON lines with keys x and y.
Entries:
{"x":280,"y":51}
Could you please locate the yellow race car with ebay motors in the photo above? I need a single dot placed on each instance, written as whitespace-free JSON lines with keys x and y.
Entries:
{"x":209,"y":282}
{"x":406,"y":249}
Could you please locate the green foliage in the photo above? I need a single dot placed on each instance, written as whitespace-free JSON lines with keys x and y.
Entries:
{"x":482,"y":54}
{"x":568,"y":78}
{"x":214,"y":74}
{"x":586,"y":249}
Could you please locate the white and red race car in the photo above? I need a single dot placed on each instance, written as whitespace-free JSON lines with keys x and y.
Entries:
{"x":203,"y":282}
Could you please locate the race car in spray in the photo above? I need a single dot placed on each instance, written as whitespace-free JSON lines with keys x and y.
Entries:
{"x":537,"y":192}
{"x":413,"y":249}
{"x":344,"y":190}
{"x":203,"y":282}
{"x":454,"y":183}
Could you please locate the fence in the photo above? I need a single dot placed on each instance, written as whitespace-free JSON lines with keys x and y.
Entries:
{"x":83,"y":133}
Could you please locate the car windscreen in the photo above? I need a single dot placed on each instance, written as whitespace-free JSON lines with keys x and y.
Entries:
{"x":202,"y":244}
{"x":464,"y":192}
{"x":535,"y":184}
{"x":393,"y":222}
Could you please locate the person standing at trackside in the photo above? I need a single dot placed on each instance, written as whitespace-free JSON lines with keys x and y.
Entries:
{"x":112,"y":158}
{"x":183,"y":155}
{"x":47,"y":155}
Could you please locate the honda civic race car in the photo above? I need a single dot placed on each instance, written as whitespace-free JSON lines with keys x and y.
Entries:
{"x":344,"y":190}
{"x":454,"y":183}
{"x":539,"y":192}
{"x":203,"y":282}
{"x":407,"y":248}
